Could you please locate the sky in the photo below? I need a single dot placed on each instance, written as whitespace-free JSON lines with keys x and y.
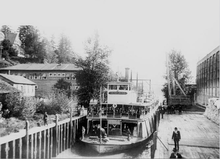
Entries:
{"x":140,"y":32}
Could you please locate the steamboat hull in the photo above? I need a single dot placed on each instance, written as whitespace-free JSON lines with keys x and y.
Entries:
{"x":105,"y":148}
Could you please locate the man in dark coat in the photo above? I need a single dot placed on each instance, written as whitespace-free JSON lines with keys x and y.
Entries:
{"x":176,"y":138}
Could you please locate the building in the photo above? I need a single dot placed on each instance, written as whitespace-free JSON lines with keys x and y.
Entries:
{"x":24,"y":85}
{"x":44,"y":75}
{"x":207,"y":78}
{"x":6,"y":88}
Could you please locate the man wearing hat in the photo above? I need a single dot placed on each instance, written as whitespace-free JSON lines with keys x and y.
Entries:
{"x":176,"y":137}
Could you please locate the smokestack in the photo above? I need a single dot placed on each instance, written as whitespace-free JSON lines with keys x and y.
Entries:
{"x":127,"y":74}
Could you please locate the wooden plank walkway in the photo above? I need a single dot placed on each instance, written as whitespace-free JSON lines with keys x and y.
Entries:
{"x":199,"y":136}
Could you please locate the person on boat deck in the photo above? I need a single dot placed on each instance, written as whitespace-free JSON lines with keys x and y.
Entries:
{"x":128,"y":133}
{"x":94,"y":130}
{"x":101,"y":133}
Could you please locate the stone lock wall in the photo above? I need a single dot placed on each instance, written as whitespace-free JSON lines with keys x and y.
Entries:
{"x":212,"y":111}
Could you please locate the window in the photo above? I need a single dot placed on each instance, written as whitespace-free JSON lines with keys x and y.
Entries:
{"x":123,"y":87}
{"x":113,"y":87}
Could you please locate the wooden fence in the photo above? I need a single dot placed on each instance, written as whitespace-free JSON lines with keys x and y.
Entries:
{"x":42,"y":142}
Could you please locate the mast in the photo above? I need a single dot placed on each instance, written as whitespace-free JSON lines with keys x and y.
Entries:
{"x":168,"y":75}
{"x":137,"y":82}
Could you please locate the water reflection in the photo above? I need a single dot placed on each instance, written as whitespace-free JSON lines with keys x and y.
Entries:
{"x":80,"y":151}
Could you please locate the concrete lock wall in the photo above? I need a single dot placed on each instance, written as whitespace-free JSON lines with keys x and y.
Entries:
{"x":212,"y":111}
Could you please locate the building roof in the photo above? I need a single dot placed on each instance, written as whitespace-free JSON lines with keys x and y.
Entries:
{"x":6,"y":88}
{"x":209,"y":54}
{"x":17,"y":79}
{"x":118,"y":83}
{"x":46,"y":67}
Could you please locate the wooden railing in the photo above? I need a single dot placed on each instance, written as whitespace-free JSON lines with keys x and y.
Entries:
{"x":41,"y":142}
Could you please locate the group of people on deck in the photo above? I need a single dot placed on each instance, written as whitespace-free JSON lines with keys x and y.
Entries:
{"x":134,"y":111}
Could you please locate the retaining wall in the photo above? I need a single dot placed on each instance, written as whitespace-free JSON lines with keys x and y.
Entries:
{"x":212,"y":111}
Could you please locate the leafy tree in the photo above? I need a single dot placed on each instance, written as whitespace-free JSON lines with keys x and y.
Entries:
{"x":5,"y":29}
{"x":64,"y":51}
{"x":51,"y":54}
{"x":178,"y":69}
{"x":63,"y":85}
{"x":31,"y":43}
{"x":94,"y":73}
{"x":8,"y":50}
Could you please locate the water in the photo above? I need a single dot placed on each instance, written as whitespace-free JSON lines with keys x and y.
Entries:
{"x":79,"y":151}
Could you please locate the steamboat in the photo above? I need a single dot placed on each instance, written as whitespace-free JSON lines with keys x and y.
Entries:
{"x":123,"y":120}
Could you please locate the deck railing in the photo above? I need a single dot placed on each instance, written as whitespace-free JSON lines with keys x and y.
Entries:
{"x":41,"y":142}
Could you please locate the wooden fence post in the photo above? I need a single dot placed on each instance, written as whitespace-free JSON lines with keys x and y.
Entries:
{"x":51,"y":144}
{"x":6,"y":150}
{"x":44,"y":144}
{"x":27,"y":139}
{"x":13,"y":145}
{"x":57,"y":137}
{"x":71,"y":128}
{"x":20,"y":148}
{"x":61,"y":137}
{"x":64,"y":136}
{"x":40,"y":141}
{"x":35,"y":145}
{"x":32,"y":148}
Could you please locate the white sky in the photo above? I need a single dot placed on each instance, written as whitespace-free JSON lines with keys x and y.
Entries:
{"x":139,"y":32}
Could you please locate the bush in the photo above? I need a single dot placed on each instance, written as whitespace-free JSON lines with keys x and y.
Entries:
{"x":58,"y":103}
{"x":29,"y":107}
{"x":11,"y":125}
{"x":18,"y":106}
{"x":13,"y":105}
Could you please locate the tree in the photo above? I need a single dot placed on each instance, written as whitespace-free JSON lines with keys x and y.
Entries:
{"x":51,"y":54}
{"x":178,"y":68}
{"x":94,"y":73}
{"x":7,"y":50}
{"x":63,"y":86}
{"x":5,"y":29}
{"x":31,"y":43}
{"x":64,"y":51}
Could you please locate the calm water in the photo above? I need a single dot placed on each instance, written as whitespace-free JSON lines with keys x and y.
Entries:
{"x":79,"y":151}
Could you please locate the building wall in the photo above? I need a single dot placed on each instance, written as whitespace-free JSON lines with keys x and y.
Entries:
{"x":207,"y":78}
{"x":44,"y":79}
{"x":27,"y":90}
